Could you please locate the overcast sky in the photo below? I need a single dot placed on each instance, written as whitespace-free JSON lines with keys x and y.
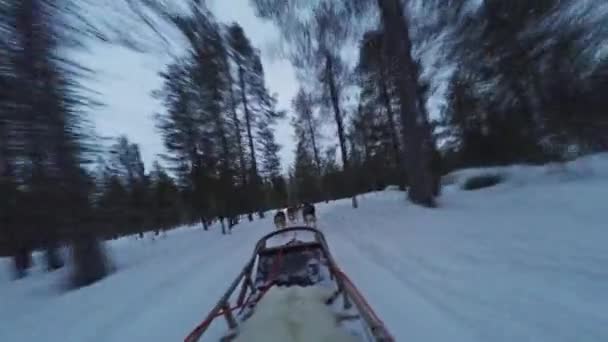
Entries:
{"x":125,"y":80}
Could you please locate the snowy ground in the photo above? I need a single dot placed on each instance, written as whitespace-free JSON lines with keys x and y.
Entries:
{"x":526,"y":260}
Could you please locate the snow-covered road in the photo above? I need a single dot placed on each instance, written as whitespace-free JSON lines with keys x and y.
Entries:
{"x":480,"y":269}
{"x":523,"y":261}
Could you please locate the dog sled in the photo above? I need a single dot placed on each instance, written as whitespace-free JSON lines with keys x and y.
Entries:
{"x":292,"y":258}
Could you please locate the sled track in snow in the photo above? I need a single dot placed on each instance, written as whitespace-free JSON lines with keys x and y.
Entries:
{"x":396,"y":268}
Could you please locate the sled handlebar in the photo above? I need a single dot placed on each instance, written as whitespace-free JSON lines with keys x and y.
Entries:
{"x":262,"y":242}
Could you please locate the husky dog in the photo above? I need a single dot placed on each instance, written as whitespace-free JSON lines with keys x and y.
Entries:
{"x":279,"y":220}
{"x":291,"y":214}
{"x":308,"y":215}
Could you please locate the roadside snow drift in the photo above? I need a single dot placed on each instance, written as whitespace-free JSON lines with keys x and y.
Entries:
{"x":293,"y":314}
{"x":592,"y":166}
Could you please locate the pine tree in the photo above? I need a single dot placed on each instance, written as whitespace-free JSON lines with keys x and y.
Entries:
{"x":316,"y":44}
{"x":11,"y":234}
{"x":331,"y":175}
{"x":48,"y":132}
{"x":305,"y":174}
{"x":242,"y":54}
{"x":258,"y":106}
{"x":270,"y":161}
{"x":202,"y":126}
{"x":211,"y":80}
{"x":332,"y":24}
{"x":166,"y":207}
{"x":414,"y":118}
{"x":236,"y":123}
{"x":377,"y":90}
{"x":275,"y":190}
{"x":531,"y":56}
{"x":308,"y":128}
{"x":113,"y":206}
{"x":183,"y":137}
{"x":194,"y":128}
{"x":126,"y":166}
{"x":308,"y":123}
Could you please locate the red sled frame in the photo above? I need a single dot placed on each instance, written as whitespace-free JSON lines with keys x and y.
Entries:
{"x":249,"y":294}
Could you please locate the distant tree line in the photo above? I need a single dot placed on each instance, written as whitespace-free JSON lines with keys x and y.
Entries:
{"x":131,"y":200}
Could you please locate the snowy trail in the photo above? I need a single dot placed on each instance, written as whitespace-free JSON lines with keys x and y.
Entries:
{"x":376,"y":269}
{"x":392,"y":296}
{"x":179,"y":301}
{"x":159,"y":293}
{"x":175,"y":296}
{"x":522,"y":261}
{"x":495,"y":275}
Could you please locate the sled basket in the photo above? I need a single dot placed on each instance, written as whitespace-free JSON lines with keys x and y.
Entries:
{"x":297,"y":256}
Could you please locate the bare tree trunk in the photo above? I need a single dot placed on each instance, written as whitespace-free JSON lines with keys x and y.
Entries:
{"x":226,"y":172}
{"x":254,"y":165}
{"x":53,"y":259}
{"x":367,"y":157}
{"x":315,"y":150}
{"x":386,"y":99}
{"x":90,"y":264}
{"x":22,"y":259}
{"x":223,"y":224}
{"x":413,"y":115}
{"x":335,"y":102}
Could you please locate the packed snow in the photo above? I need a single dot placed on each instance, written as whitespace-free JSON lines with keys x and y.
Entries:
{"x":525,"y":260}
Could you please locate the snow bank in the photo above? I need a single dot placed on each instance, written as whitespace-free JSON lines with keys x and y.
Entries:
{"x":392,"y":188}
{"x":591,"y":166}
{"x":293,"y":314}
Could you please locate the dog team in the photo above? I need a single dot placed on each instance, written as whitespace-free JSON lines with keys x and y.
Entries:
{"x":307,"y":211}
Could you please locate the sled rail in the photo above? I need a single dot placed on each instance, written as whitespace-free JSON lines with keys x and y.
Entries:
{"x":248,"y":294}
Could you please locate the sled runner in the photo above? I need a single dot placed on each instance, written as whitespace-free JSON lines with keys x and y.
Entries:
{"x":296,"y":257}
